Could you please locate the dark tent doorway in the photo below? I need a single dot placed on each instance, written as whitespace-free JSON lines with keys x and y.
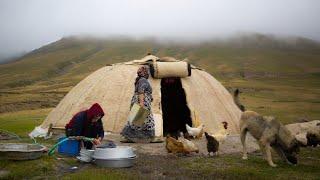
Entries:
{"x":175,"y":111}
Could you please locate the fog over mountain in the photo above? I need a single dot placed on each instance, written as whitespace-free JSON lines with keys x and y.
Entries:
{"x":27,"y":25}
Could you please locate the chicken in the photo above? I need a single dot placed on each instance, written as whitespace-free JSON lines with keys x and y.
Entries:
{"x":221,"y":135}
{"x":174,"y":146}
{"x":188,"y":145}
{"x":195,"y":132}
{"x":212,"y":144}
{"x":200,"y":134}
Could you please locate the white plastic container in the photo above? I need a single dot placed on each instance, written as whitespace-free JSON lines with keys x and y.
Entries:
{"x":85,"y":155}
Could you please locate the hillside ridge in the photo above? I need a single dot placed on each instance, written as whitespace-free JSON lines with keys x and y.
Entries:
{"x":72,"y":58}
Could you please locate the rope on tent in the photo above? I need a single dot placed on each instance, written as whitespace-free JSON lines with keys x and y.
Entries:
{"x":52,"y":150}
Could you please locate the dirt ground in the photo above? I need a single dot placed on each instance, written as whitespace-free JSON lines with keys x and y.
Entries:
{"x":231,"y":145}
{"x":153,"y":161}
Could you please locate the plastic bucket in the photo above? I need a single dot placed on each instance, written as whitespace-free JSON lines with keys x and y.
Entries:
{"x":69,"y":147}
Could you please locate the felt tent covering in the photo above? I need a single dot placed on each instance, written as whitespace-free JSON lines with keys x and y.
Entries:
{"x":112,"y":87}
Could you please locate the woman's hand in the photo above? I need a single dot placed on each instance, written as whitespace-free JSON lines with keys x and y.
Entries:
{"x":141,"y":104}
{"x":141,"y":100}
{"x":78,"y":138}
{"x":97,"y":141}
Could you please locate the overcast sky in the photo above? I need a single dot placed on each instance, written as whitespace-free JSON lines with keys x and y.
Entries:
{"x":29,"y":24}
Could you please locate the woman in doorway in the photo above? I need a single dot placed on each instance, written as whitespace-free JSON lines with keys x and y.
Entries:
{"x":143,"y":96}
{"x":87,"y":123}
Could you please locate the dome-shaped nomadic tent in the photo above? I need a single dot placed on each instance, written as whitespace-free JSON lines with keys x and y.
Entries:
{"x":192,"y":99}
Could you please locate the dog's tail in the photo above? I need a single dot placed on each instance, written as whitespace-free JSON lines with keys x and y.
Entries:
{"x":237,"y":101}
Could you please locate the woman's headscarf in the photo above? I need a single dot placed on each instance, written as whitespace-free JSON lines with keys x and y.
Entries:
{"x":142,"y":72}
{"x":94,"y":110}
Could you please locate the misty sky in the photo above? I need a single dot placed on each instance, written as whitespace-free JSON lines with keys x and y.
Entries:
{"x":29,"y":24}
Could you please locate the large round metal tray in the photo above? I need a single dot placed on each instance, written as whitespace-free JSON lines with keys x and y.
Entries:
{"x":21,"y":151}
{"x":115,"y":163}
{"x":114,"y":153}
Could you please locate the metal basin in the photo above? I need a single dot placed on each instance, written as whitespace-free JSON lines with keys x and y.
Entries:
{"x":119,"y":152}
{"x":21,"y":151}
{"x":115,"y":163}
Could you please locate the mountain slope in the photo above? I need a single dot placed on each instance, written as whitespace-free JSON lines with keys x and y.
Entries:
{"x":278,"y":77}
{"x":71,"y":59}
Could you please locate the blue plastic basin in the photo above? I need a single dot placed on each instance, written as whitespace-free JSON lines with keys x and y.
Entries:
{"x":69,"y":147}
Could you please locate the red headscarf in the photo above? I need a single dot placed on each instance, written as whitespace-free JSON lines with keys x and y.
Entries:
{"x":94,"y":110}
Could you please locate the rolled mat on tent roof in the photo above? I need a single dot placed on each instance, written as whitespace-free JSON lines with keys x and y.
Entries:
{"x":170,"y":69}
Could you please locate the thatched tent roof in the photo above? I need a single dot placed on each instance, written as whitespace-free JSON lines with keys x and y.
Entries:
{"x":112,"y":87}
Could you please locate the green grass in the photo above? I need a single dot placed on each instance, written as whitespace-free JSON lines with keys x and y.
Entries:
{"x":233,"y":167}
{"x":40,"y":168}
{"x":22,"y":122}
{"x":289,"y":99}
{"x":100,"y":173}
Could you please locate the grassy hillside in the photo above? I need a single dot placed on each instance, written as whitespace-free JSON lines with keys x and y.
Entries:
{"x":73,"y":58}
{"x":271,"y":71}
